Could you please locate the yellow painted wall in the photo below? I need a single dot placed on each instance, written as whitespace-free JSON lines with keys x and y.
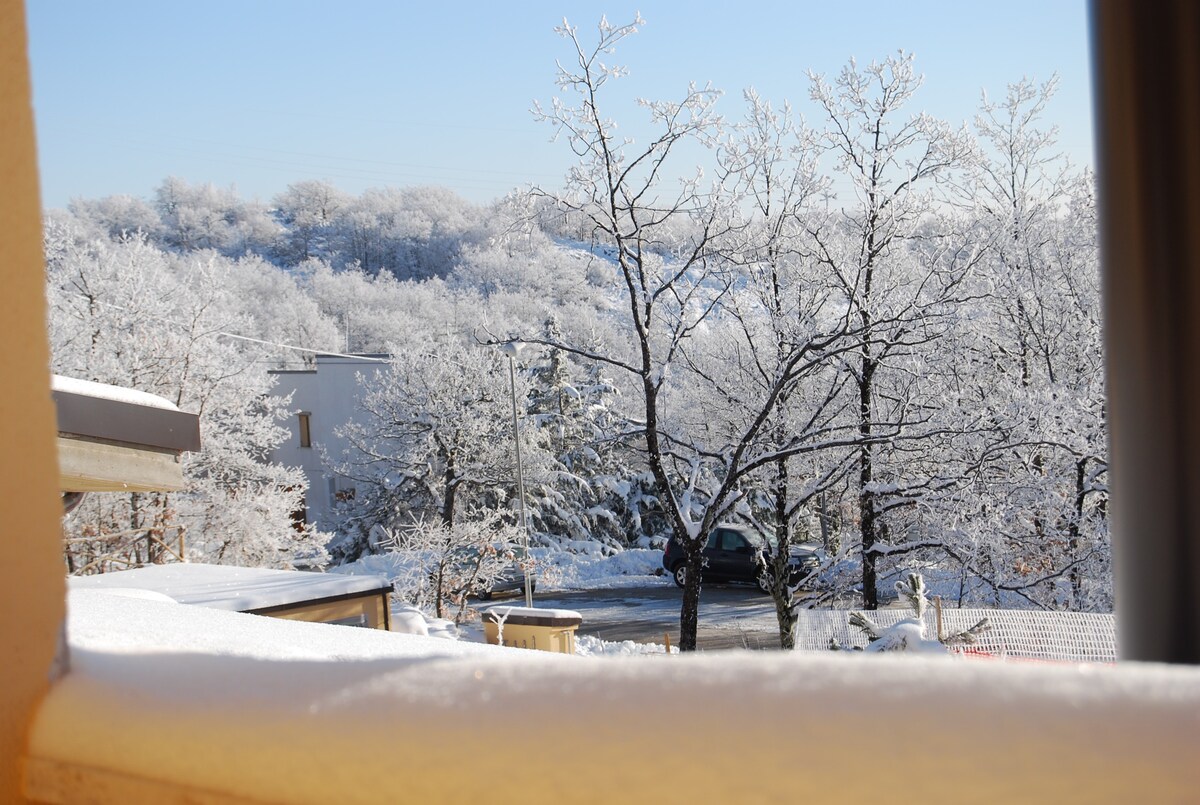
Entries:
{"x":31,"y":575}
{"x":558,"y":639}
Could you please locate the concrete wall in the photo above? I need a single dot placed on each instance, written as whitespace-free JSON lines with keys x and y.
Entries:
{"x":329,"y":394}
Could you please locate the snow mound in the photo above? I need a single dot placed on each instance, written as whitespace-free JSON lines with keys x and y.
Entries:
{"x":635,"y":567}
{"x":906,"y":635}
{"x":589,"y":646}
{"x":409,"y":620}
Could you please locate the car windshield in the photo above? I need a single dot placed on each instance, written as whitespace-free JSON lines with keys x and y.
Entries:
{"x":760,"y":541}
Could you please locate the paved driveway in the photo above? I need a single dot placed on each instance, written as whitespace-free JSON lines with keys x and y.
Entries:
{"x":731,"y":616}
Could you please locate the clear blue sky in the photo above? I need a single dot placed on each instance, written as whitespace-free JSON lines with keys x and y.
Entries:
{"x":261,"y":93}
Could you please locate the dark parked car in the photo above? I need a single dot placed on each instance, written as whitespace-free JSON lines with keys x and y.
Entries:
{"x":733,"y":553}
{"x":510,"y":581}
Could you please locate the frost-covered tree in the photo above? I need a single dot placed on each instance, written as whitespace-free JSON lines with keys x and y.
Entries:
{"x":132,"y":315}
{"x":308,"y":212}
{"x":117,"y":217}
{"x":1035,"y":361}
{"x":274,"y":307}
{"x":195,"y":217}
{"x":594,"y":487}
{"x":435,"y":441}
{"x":411,"y":233}
{"x":784,"y":304}
{"x":898,"y":272}
{"x":700,"y":423}
{"x":443,"y":563}
{"x":616,"y":188}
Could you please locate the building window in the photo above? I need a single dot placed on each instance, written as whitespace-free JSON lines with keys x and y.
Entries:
{"x":305,"y":435}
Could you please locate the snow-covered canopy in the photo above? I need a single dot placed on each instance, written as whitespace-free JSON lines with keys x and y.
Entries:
{"x":115,"y":439}
{"x":105,"y":391}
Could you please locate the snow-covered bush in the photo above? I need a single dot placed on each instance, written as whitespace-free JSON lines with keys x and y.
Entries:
{"x":909,"y":634}
{"x":438,"y":565}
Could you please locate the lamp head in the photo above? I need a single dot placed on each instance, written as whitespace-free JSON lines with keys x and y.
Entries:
{"x":512,"y":348}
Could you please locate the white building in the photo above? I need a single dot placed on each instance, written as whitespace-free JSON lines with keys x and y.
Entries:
{"x":325,"y":398}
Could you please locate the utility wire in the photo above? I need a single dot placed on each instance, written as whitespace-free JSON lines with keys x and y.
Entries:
{"x":226,"y":334}
{"x":300,"y":349}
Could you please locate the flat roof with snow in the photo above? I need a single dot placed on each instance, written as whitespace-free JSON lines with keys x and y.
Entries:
{"x":238,"y":589}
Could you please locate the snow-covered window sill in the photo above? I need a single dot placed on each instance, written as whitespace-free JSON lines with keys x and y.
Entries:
{"x":166,"y":702}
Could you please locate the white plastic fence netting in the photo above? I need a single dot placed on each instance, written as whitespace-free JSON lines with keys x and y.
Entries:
{"x":1018,"y":634}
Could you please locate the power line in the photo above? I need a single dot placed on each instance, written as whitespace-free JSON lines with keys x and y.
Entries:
{"x":226,"y":334}
{"x":301,"y":349}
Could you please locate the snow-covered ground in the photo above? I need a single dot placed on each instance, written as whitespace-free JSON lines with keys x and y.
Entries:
{"x":558,"y":571}
{"x":636,"y":567}
{"x":200,"y":697}
{"x":646,"y":608}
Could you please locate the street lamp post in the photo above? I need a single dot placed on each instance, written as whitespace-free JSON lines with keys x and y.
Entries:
{"x":512,"y":349}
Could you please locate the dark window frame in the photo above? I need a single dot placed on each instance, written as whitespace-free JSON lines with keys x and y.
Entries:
{"x":304,"y":419}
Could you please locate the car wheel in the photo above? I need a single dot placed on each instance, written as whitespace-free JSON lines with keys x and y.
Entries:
{"x":764,"y":583}
{"x":680,"y":575}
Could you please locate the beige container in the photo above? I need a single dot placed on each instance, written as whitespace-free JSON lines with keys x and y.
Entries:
{"x":530,"y":627}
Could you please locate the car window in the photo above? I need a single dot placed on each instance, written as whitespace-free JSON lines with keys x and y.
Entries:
{"x":733,"y":541}
{"x":713,"y":540}
{"x":757,"y":540}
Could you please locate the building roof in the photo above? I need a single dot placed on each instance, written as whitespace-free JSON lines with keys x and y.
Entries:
{"x":116,"y":414}
{"x":114,"y":439}
{"x":238,"y":589}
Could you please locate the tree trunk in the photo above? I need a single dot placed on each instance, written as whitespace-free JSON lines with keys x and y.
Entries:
{"x":785,"y":608}
{"x":439,"y":582}
{"x":1073,"y":530}
{"x":866,"y":496}
{"x":823,"y":519}
{"x":870,"y":576}
{"x":689,"y":612}
{"x":450,"y":494}
{"x":786,"y":614}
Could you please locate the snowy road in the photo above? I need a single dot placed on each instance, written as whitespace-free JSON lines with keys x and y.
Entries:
{"x":730,"y":616}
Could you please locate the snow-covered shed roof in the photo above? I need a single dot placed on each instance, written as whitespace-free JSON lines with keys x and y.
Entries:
{"x":532,"y":616}
{"x":104,"y":391}
{"x":238,"y":589}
